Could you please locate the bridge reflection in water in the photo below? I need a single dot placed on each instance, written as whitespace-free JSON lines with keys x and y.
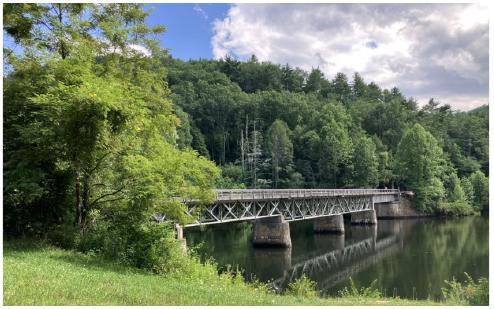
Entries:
{"x":410,"y":258}
{"x":332,"y":260}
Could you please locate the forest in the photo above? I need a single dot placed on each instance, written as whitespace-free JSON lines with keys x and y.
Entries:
{"x":275,"y":126}
{"x":99,"y":136}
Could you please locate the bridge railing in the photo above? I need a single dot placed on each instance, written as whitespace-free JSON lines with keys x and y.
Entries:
{"x":255,"y":194}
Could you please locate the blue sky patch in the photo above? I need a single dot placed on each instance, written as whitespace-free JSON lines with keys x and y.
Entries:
{"x":189,"y":27}
{"x":371,"y":45}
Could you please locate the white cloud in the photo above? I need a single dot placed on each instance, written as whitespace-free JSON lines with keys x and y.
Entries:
{"x":140,"y":49}
{"x":197,"y":8}
{"x":426,"y":50}
{"x":463,"y":103}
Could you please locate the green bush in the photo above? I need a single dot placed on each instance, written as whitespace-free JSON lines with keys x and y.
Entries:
{"x":232,"y":177}
{"x":302,"y":287}
{"x":353,"y":291}
{"x":469,"y":292}
{"x":456,"y":208}
{"x":63,"y":236}
{"x":140,"y":243}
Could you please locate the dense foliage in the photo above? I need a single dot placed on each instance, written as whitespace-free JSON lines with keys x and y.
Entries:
{"x":90,"y":133}
{"x":470,"y":292}
{"x":273,"y":126}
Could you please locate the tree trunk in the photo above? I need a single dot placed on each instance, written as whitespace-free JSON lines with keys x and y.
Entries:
{"x":85,"y":203}
{"x":78,"y":204}
{"x":63,"y":51}
{"x":275,"y":170}
{"x":242,"y":150}
{"x":224,"y":148}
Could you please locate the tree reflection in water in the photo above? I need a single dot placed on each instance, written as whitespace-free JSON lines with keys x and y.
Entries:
{"x":412,"y":257}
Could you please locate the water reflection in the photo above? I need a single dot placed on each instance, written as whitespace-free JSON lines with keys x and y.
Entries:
{"x":338,"y":260}
{"x":410,"y":258}
{"x":270,"y":262}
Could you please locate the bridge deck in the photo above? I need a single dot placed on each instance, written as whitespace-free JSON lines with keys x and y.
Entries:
{"x":262,"y":194}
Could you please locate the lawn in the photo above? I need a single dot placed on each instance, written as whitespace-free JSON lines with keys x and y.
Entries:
{"x":37,"y":274}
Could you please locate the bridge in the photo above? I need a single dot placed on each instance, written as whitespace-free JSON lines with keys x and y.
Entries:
{"x":273,"y":209}
{"x":292,"y":204}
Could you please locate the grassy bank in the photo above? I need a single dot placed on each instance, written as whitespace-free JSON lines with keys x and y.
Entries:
{"x":44,"y":275}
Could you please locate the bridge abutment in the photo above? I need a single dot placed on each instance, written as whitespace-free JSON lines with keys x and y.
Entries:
{"x":364,"y":217}
{"x":330,"y":224}
{"x":272,"y":232}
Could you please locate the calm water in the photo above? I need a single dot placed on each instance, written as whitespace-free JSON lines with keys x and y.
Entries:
{"x":410,"y":258}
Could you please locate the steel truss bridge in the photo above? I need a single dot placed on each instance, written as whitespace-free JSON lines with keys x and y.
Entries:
{"x":292,"y":204}
{"x":349,"y":257}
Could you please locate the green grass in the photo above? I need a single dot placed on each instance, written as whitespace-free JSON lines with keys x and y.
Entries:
{"x":37,"y":274}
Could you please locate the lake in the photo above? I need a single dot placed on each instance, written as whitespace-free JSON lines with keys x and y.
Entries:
{"x":409,"y":258}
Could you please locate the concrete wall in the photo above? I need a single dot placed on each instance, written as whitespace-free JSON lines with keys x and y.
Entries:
{"x":401,"y":209}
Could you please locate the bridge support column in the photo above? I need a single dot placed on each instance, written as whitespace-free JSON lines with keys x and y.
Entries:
{"x":179,"y":230}
{"x":331,"y":224}
{"x":364,"y":217}
{"x":272,"y":232}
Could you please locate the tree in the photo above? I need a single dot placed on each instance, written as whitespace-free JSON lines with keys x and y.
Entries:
{"x":419,"y":163}
{"x":456,"y":201}
{"x":280,"y":148}
{"x":231,"y":67}
{"x":480,"y":186}
{"x":454,"y":189}
{"x":104,"y":119}
{"x":63,"y":27}
{"x":314,"y":81}
{"x":306,"y":145}
{"x":336,"y":151}
{"x":359,"y":88}
{"x":336,"y":145}
{"x":232,"y":177}
{"x":51,"y":27}
{"x":365,"y":163}
{"x":385,"y":169}
{"x":292,"y":79}
{"x":467,"y":189}
{"x":341,"y":89}
{"x":184,"y":135}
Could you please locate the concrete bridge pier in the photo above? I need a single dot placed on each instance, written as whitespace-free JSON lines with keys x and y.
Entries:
{"x":271,"y":232}
{"x":330,"y":224}
{"x":364,"y":217}
{"x":179,"y":234}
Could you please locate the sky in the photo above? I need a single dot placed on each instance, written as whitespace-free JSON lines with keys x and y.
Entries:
{"x":189,"y":27}
{"x":438,"y":51}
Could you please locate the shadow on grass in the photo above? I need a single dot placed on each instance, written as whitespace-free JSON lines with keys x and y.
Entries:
{"x":21,"y":248}
{"x":97,"y":264}
{"x":25,"y":248}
